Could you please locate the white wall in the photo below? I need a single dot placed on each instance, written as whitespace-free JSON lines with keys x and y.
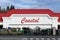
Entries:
{"x":15,"y":19}
{"x":1,"y":23}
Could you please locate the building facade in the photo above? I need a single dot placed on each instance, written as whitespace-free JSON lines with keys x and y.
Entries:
{"x":44,"y":18}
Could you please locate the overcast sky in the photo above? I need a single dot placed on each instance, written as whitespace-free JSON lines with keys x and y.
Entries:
{"x":39,"y":4}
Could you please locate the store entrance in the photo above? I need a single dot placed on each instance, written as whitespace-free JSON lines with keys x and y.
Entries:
{"x":58,"y":26}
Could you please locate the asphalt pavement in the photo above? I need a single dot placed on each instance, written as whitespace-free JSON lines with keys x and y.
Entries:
{"x":28,"y":37}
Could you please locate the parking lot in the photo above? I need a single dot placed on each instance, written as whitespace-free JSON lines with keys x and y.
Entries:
{"x":28,"y":37}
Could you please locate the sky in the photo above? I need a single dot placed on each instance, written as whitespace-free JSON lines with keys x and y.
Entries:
{"x":53,"y":5}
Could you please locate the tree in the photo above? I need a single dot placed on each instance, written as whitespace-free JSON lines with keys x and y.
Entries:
{"x":12,"y":7}
{"x":3,"y":10}
{"x":0,"y":8}
{"x":7,"y":8}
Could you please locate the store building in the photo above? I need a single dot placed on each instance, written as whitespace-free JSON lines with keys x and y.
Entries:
{"x":44,"y":18}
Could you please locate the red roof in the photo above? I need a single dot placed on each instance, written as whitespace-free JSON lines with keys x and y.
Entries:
{"x":29,"y":11}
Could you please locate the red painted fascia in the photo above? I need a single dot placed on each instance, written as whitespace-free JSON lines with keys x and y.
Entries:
{"x":29,"y":11}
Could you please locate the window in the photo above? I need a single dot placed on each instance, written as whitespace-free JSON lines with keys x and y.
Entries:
{"x":58,"y":26}
{"x":1,"y":26}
